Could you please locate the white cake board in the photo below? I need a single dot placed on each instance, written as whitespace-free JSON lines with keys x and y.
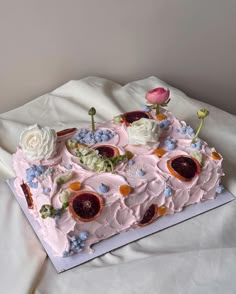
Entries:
{"x":62,"y":264}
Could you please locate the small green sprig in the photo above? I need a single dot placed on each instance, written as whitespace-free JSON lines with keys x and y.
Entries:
{"x":48,"y":210}
{"x":92,"y":112}
{"x":202,"y":113}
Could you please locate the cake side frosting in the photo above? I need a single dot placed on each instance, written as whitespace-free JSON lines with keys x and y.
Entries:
{"x":145,"y":171}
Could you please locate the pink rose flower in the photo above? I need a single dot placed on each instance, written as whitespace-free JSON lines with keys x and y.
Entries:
{"x":158,"y":95}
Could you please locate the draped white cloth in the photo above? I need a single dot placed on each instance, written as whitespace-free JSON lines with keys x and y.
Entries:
{"x":197,"y":256}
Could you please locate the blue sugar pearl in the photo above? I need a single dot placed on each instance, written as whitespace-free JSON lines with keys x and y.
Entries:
{"x":140,"y":173}
{"x":65,"y":253}
{"x":105,"y":138}
{"x":83,"y":236}
{"x":193,"y":145}
{"x":34,"y":185}
{"x":68,"y":166}
{"x":30,"y":172}
{"x":183,"y":130}
{"x":73,"y":246}
{"x":46,"y":190}
{"x":103,"y":188}
{"x":37,"y":173}
{"x":167,"y":192}
{"x":98,"y":138}
{"x":34,"y":167}
{"x":82,"y":244}
{"x":162,"y":125}
{"x":30,"y":178}
{"x":219,"y":189}
{"x":146,"y":108}
{"x":74,"y":243}
{"x":79,"y":249}
{"x":41,"y":168}
{"x":73,"y":238}
{"x":171,"y":146}
{"x":99,"y":132}
{"x":131,"y":162}
{"x":78,"y":241}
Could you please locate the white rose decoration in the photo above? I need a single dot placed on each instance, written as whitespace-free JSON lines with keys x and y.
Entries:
{"x":38,"y":143}
{"x":144,"y":132}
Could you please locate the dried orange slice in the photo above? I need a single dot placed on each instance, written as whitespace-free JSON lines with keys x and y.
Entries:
{"x":159,"y":152}
{"x":129,"y":155}
{"x":161,"y":116}
{"x":125,"y":190}
{"x":149,"y":216}
{"x":66,"y":132}
{"x":107,"y":150}
{"x":129,"y":117}
{"x":75,"y":186}
{"x":183,"y":167}
{"x":215,"y":155}
{"x":28,"y":196}
{"x":85,"y":206}
{"x":162,"y":210}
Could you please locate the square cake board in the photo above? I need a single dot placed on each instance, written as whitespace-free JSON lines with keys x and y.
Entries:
{"x":62,"y":264}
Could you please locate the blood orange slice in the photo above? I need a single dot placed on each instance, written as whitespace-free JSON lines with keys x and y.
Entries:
{"x":66,"y":132}
{"x":149,"y":216}
{"x":129,"y":117}
{"x":183,"y":167}
{"x":85,"y":206}
{"x":108,"y":151}
{"x":28,"y":196}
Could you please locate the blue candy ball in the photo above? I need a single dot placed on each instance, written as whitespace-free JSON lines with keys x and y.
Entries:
{"x":140,"y":173}
{"x":167,"y":192}
{"x":83,"y":235}
{"x":103,"y":188}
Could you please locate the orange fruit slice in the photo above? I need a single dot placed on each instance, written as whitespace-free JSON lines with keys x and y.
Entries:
{"x":28,"y":196}
{"x":125,"y":190}
{"x":129,"y":117}
{"x":159,"y":152}
{"x":162,"y":210}
{"x":183,"y":167}
{"x":107,"y":150}
{"x":149,"y":216}
{"x":161,"y":116}
{"x":215,"y":155}
{"x":85,"y":206}
{"x":75,"y":186}
{"x":66,"y":132}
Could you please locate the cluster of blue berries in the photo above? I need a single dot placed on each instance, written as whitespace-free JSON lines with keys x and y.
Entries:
{"x":187,"y":130}
{"x":170,"y":143}
{"x":32,"y":173}
{"x":85,"y":136}
{"x":76,"y":244}
{"x":167,"y":191}
{"x":146,"y":108}
{"x":164,"y":124}
{"x":219,"y":189}
{"x":102,"y":188}
{"x":197,"y":145}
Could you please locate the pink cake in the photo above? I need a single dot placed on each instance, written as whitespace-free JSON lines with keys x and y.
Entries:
{"x":83,"y":186}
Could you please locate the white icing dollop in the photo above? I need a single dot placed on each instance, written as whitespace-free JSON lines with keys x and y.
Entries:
{"x":38,"y":143}
{"x":144,"y":132}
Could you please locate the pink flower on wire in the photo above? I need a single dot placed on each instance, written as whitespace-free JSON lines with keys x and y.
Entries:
{"x":158,"y":95}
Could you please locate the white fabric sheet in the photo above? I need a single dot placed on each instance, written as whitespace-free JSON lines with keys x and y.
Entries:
{"x":197,"y":256}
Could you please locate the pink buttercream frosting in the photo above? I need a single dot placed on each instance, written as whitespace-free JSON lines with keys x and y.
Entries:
{"x":119,"y":213}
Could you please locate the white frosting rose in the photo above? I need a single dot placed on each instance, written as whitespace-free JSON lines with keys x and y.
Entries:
{"x":144,"y":132}
{"x":38,"y":143}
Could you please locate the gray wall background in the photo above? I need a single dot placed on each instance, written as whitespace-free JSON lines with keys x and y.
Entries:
{"x":191,"y":44}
